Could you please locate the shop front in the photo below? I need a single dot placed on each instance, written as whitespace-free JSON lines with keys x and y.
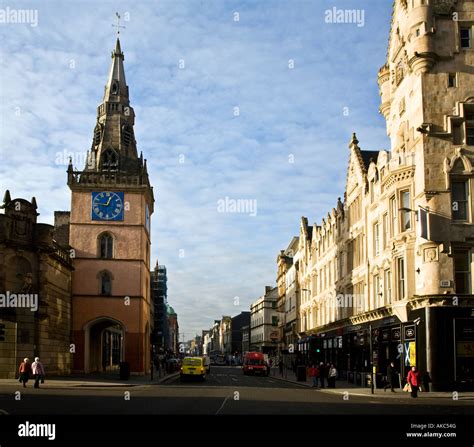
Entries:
{"x":356,"y":349}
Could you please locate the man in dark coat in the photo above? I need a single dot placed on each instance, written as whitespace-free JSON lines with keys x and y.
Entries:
{"x":391,"y":377}
{"x":322,"y":373}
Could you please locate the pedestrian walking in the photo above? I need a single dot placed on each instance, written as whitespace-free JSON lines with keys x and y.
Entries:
{"x":25,"y":371}
{"x":314,"y":373}
{"x":414,"y":379}
{"x":391,"y":377}
{"x":280,"y":366}
{"x":332,"y":374}
{"x":38,"y":371}
{"x":322,"y":373}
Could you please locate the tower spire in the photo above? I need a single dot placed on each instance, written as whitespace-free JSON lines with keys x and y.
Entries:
{"x":113,"y":145}
{"x":116,"y":87}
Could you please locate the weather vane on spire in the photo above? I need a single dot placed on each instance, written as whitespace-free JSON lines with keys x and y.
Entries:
{"x":118,"y":26}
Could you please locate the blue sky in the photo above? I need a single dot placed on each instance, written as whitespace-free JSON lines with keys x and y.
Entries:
{"x":286,"y":150}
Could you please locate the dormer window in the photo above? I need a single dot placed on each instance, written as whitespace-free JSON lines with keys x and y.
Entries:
{"x":110,"y":161}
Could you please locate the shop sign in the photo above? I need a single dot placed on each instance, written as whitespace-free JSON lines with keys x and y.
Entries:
{"x":465,"y":348}
{"x":339,"y":342}
{"x":410,"y":332}
{"x":396,"y":333}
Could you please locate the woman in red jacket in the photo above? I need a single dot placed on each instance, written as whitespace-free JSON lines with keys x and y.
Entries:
{"x":414,"y":379}
{"x":24,"y":370}
{"x":314,"y":373}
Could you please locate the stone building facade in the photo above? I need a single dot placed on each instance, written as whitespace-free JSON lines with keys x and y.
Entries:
{"x":264,"y":322}
{"x":391,"y":268}
{"x":35,"y":291}
{"x":288,"y":296}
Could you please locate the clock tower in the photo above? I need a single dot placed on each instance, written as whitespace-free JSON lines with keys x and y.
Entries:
{"x":111,"y":206}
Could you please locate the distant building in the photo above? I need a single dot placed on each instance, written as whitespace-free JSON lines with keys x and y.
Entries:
{"x":288,"y":296}
{"x":159,"y":290}
{"x":173,"y":329}
{"x":205,"y":340}
{"x":238,"y":322}
{"x":245,"y":338}
{"x":225,"y":334}
{"x":214,"y":345}
{"x":264,"y":322}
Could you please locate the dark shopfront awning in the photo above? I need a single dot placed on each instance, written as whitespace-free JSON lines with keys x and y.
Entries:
{"x":343,"y":330}
{"x":306,"y":339}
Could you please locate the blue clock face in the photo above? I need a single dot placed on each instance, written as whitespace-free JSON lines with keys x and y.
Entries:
{"x":107,"y":205}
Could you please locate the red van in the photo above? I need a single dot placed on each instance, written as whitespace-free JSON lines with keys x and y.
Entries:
{"x":254,"y":363}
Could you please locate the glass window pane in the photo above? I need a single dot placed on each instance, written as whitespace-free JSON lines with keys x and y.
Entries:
{"x":106,"y":285}
{"x":470,"y":135}
{"x":462,"y":283}
{"x":465,"y":38}
{"x":461,"y":260}
{"x":462,"y":268}
{"x":459,"y":200}
{"x":406,"y":210}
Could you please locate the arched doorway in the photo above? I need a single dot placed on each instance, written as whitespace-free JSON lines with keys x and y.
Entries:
{"x":104,"y":345}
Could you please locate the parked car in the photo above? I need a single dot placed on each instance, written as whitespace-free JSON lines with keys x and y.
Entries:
{"x":254,"y":363}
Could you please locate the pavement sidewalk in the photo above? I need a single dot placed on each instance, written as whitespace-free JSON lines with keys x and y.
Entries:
{"x":95,"y":381}
{"x":342,"y":387}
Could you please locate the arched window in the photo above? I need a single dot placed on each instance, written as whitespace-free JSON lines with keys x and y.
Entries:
{"x":105,"y":283}
{"x":106,"y":246}
{"x":110,"y":160}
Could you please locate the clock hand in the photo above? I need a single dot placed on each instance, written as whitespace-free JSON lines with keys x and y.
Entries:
{"x":110,"y":198}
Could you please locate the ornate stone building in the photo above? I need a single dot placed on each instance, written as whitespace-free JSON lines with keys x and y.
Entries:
{"x":35,"y":290}
{"x":111,"y":206}
{"x":391,"y":268}
{"x":288,"y":297}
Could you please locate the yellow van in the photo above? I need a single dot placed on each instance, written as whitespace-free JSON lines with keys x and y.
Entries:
{"x":193,"y":367}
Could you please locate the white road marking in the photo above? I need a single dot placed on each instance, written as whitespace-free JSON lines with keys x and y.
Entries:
{"x":223,"y":403}
{"x":3,"y":411}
